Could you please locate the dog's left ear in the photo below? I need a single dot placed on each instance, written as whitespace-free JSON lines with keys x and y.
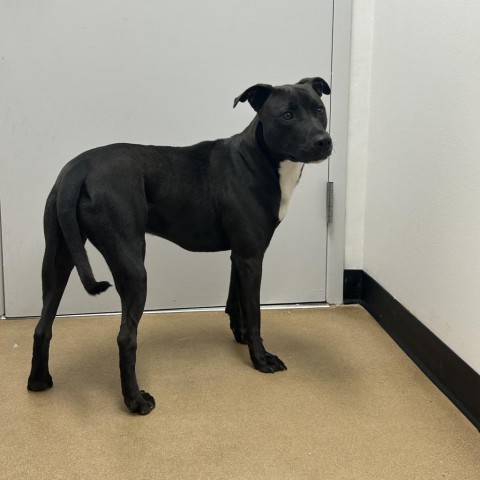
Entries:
{"x":255,"y":95}
{"x":318,"y":84}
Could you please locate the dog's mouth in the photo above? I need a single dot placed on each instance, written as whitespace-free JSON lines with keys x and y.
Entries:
{"x":315,"y":162}
{"x":311,"y":156}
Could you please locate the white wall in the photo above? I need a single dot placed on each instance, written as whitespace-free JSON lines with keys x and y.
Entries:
{"x":2,"y":300}
{"x":359,"y":108}
{"x":421,"y":238}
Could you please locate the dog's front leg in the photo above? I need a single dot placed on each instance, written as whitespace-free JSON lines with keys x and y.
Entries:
{"x":234,"y":311}
{"x":248,"y":276}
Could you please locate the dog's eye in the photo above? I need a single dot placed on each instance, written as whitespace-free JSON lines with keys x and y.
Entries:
{"x":287,"y":115}
{"x":321,"y":110}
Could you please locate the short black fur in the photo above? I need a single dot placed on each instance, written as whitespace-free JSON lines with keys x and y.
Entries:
{"x":216,"y":195}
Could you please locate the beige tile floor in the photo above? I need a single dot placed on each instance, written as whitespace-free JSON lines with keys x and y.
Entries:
{"x":351,"y":405}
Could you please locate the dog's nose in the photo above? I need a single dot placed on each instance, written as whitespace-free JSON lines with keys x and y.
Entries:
{"x":323,"y":141}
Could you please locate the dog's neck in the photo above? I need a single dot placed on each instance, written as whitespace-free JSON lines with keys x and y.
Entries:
{"x":253,"y":140}
{"x":289,"y":172}
{"x":289,"y":175}
{"x":260,"y":139}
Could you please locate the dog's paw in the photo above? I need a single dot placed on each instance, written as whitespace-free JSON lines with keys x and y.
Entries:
{"x":143,"y":404}
{"x":40,"y":384}
{"x":268,"y":363}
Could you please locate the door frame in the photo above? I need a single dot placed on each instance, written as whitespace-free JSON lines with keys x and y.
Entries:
{"x":337,"y":168}
{"x":2,"y":283}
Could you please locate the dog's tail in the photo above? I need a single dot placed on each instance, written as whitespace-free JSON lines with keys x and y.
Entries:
{"x":69,"y":185}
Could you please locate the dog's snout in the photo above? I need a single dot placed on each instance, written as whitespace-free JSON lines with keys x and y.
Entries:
{"x":323,"y":141}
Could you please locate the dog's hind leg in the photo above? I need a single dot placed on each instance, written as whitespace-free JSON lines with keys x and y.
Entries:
{"x":56,"y":269}
{"x":113,"y":215}
{"x":125,"y":258}
{"x":131,"y":282}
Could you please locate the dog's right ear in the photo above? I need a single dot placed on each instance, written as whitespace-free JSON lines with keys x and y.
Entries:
{"x":255,"y":95}
{"x":318,"y":84}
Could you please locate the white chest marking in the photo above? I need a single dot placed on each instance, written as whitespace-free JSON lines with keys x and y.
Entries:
{"x":289,"y":173}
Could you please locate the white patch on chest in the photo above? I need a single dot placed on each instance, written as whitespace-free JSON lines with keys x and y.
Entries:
{"x":289,"y":173}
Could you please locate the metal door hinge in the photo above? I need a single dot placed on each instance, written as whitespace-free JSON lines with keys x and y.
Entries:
{"x":329,"y":202}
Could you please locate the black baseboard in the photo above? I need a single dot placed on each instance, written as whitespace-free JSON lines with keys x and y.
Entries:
{"x":455,"y":378}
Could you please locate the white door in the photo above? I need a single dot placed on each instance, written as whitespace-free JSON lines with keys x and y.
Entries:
{"x":80,"y":74}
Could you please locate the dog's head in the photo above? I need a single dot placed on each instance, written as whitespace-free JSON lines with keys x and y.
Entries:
{"x":292,"y":118}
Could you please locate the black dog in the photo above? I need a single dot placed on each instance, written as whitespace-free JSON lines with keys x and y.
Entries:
{"x":227,"y":194}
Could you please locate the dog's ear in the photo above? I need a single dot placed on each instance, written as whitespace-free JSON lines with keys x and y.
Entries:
{"x":255,"y":95}
{"x":318,"y":84}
